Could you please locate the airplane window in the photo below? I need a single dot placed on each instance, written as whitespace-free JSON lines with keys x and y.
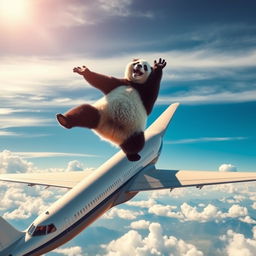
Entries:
{"x":51,"y":228}
{"x":31,"y":229}
{"x":42,"y":230}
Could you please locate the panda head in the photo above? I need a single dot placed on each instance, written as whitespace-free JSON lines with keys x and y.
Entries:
{"x":138,"y":71}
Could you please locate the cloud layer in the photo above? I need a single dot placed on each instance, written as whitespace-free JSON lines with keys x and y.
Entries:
{"x":141,"y":235}
{"x":155,"y":243}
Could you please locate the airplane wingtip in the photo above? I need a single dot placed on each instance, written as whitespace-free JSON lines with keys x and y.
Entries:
{"x":163,"y":121}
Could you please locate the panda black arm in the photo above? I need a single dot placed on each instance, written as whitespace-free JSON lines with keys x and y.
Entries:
{"x":150,"y":90}
{"x":102,"y":82}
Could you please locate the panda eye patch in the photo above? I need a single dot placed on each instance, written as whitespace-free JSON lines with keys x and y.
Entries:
{"x":145,"y":67}
{"x":135,"y":63}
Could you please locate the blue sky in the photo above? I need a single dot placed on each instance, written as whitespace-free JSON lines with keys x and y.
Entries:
{"x":210,"y":49}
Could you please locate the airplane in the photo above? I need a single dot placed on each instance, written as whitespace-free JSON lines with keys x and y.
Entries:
{"x":92,"y":193}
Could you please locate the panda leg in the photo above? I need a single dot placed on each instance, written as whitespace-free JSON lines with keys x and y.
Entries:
{"x":82,"y":116}
{"x":132,"y":145}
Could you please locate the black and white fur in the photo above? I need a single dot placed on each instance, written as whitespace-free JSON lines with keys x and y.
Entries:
{"x":120,"y":116}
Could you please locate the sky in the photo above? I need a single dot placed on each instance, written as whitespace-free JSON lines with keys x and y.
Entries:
{"x":210,"y":49}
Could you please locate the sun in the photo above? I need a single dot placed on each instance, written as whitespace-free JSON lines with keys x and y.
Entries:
{"x":13,"y":11}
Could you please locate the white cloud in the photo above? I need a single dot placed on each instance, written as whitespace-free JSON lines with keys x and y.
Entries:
{"x":63,"y":100}
{"x":207,"y":58}
{"x":10,"y":163}
{"x":254,"y":205}
{"x":125,"y":245}
{"x":238,"y":192}
{"x":12,"y":196}
{"x":7,"y":133}
{"x":205,"y":139}
{"x":4,"y":133}
{"x":30,"y":80}
{"x":238,"y":244}
{"x":50,"y":154}
{"x":236,"y":211}
{"x":116,"y":7}
{"x":79,"y":14}
{"x":28,"y":206}
{"x":175,"y":193}
{"x":165,"y":210}
{"x":239,"y":198}
{"x":16,"y":214}
{"x":199,"y":98}
{"x":140,"y":224}
{"x":209,"y":213}
{"x":14,"y":162}
{"x":122,"y":213}
{"x":225,"y":188}
{"x":22,"y":202}
{"x":10,"y":122}
{"x":248,"y":219}
{"x":8,"y":111}
{"x":33,"y":88}
{"x":227,"y":168}
{"x":70,"y":251}
{"x":235,"y":190}
{"x":252,"y":196}
{"x":143,"y":203}
{"x":155,"y":243}
{"x":122,"y":8}
{"x":163,"y":193}
{"x":191,"y":213}
{"x":75,"y":166}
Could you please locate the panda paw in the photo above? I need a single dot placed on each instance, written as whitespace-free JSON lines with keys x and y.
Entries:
{"x":133,"y":157}
{"x":80,"y":70}
{"x":63,"y":121}
{"x":160,"y":64}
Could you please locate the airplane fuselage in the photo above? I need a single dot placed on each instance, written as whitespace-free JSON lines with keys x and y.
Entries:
{"x":83,"y":204}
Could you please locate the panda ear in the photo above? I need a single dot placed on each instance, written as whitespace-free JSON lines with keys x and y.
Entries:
{"x":135,"y":59}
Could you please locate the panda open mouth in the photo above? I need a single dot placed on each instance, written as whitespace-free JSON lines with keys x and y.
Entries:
{"x":137,"y":72}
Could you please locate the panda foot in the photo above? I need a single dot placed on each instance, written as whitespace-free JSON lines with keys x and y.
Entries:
{"x":63,"y":121}
{"x":133,"y":157}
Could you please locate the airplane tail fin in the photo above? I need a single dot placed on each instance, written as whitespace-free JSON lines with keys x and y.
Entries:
{"x":162,"y":122}
{"x":8,"y":234}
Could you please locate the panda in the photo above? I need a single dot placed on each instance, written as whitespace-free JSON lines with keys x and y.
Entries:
{"x":120,"y":116}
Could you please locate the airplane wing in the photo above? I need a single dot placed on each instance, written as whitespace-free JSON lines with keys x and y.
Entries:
{"x":151,"y":178}
{"x":53,"y":179}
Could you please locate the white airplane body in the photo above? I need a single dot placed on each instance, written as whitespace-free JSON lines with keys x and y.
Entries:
{"x":92,"y":193}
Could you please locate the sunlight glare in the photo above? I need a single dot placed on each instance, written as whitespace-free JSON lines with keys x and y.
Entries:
{"x":13,"y":11}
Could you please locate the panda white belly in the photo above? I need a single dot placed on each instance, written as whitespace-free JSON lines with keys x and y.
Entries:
{"x":122,"y":113}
